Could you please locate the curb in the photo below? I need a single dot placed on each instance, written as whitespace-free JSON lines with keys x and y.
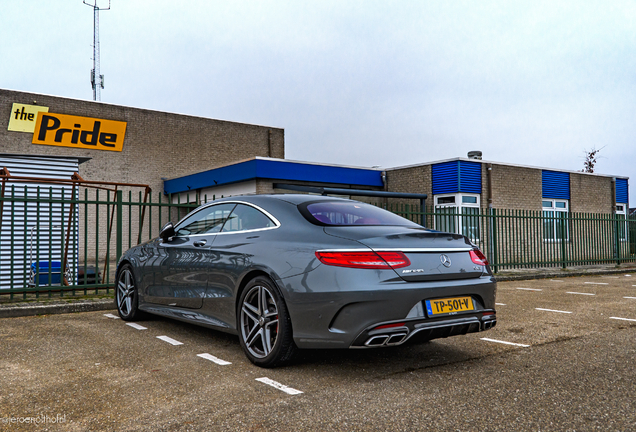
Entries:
{"x":57,"y":308}
{"x":527,"y":276}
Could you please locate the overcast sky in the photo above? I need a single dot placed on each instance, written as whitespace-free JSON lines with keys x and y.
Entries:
{"x":363,"y":83}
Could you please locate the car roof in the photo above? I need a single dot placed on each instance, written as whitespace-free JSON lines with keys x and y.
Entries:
{"x":290,"y":198}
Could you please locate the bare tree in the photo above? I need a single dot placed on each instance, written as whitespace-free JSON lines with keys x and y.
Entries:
{"x":591,"y":157}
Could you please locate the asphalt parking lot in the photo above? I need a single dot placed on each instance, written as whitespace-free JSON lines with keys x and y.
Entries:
{"x":560,"y":358}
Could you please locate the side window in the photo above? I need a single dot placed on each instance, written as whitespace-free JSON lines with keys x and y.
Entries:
{"x":205,"y":221}
{"x":245,"y":218}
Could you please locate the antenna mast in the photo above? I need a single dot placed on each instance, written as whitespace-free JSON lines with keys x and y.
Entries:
{"x":97,"y":80}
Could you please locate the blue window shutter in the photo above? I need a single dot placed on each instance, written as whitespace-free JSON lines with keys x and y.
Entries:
{"x":445,"y":177}
{"x":555,"y":184}
{"x":622,"y":191}
{"x":469,"y":177}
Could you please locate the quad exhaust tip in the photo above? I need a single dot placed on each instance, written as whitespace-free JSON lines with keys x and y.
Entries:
{"x":487,"y":325}
{"x":385,"y":340}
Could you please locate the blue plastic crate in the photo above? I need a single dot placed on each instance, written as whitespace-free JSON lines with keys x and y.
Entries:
{"x":46,"y":268}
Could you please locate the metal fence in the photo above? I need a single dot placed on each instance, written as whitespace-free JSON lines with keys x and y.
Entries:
{"x":532,"y":239}
{"x":68,"y":241}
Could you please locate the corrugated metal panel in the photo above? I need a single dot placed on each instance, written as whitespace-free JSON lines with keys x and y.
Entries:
{"x":445,"y":177}
{"x":456,"y":176}
{"x":469,"y":177}
{"x":555,"y":184}
{"x":32,"y":227}
{"x":622,"y":191}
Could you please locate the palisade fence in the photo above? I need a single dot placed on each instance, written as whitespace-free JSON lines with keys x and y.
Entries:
{"x":68,"y":240}
{"x":513,"y":239}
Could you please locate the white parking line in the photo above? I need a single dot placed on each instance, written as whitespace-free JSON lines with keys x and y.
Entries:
{"x":214,"y":359}
{"x":611,"y":277}
{"x":572,"y":292}
{"x":623,"y":319}
{"x":169,"y":340}
{"x":555,"y":280}
{"x":111,"y":316}
{"x":530,"y":289}
{"x":500,"y":304}
{"x":628,"y":275}
{"x":137,"y":326}
{"x":596,"y":283}
{"x":552,"y":310}
{"x":504,"y":342}
{"x":630,"y":297}
{"x":279,"y":386}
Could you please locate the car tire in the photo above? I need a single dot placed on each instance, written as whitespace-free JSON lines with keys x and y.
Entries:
{"x":127,"y":295}
{"x":264,"y":325}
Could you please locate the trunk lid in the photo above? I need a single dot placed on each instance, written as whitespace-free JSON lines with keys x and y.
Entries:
{"x":434,"y":255}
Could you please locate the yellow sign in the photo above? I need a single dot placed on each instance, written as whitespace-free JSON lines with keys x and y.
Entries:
{"x":23,"y":117}
{"x":79,"y":132}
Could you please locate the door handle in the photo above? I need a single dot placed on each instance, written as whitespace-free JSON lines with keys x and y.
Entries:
{"x":200,"y":243}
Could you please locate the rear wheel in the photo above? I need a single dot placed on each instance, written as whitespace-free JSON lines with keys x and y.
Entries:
{"x":127,"y":296}
{"x":265,"y":329}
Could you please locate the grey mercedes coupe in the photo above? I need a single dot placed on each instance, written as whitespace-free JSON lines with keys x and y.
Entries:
{"x":302,"y":271}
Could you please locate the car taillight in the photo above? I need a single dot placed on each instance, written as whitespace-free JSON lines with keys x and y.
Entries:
{"x":478,"y":258}
{"x":367,"y":260}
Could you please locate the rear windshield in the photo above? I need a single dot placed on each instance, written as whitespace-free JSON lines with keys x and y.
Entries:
{"x":338,"y":213}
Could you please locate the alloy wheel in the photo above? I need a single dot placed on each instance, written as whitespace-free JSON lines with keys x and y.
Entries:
{"x":125,"y":292}
{"x":259,"y":321}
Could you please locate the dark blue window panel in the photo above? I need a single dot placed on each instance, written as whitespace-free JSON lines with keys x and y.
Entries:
{"x":470,"y":177}
{"x":445,"y":177}
{"x":555,"y":185}
{"x":456,"y":176}
{"x":622,"y":191}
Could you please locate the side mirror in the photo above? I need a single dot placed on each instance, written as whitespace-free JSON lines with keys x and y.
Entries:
{"x":167,"y":232}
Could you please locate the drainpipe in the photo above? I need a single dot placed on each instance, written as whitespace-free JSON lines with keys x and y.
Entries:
{"x":489,"y":181}
{"x":491,"y":213}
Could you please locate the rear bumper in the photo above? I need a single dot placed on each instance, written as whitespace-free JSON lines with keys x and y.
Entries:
{"x":424,"y":330}
{"x":342,"y":309}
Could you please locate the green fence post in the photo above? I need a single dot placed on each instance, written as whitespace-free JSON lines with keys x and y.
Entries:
{"x":564,"y":225}
{"x":120,"y":225}
{"x":494,"y":228}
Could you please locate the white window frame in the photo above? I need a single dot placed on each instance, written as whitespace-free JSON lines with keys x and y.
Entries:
{"x":458,"y":224}
{"x":621,"y":211}
{"x":558,"y":208}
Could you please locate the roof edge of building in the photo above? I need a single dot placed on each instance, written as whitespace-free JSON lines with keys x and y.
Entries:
{"x":464,"y":159}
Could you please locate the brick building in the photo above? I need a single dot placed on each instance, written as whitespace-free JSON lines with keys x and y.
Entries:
{"x":522,"y":215}
{"x":155,"y":144}
{"x":468,"y":183}
{"x":52,"y":137}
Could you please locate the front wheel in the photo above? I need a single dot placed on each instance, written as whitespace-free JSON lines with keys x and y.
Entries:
{"x":265,"y":329}
{"x":127,"y":296}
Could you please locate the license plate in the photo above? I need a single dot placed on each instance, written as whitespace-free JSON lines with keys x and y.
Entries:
{"x":448,"y":306}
